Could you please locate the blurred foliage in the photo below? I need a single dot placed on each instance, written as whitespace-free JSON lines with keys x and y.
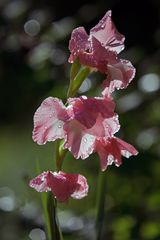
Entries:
{"x":34,"y":39}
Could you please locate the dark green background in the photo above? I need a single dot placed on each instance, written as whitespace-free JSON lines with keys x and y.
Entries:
{"x":35,"y":67}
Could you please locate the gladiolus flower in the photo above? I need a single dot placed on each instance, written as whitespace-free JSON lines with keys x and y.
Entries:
{"x":83,"y":121}
{"x":103,"y":38}
{"x":63,"y":185}
{"x":92,"y":119}
{"x":99,"y":51}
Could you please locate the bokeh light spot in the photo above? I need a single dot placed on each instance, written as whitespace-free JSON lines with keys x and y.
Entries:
{"x":149,"y":82}
{"x":146,"y":138}
{"x":86,"y":85}
{"x":37,"y":234}
{"x":32,"y":27}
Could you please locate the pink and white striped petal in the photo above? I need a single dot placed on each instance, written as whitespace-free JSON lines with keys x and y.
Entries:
{"x":110,"y":151}
{"x":106,"y":33}
{"x":49,"y":120}
{"x":78,"y":43}
{"x":86,"y":110}
{"x":119,"y":76}
{"x":40,"y":183}
{"x":78,"y":141}
{"x":100,"y":47}
{"x":126,"y":149}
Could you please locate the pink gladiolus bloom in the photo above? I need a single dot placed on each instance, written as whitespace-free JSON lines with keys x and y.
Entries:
{"x":110,"y":150}
{"x":99,"y":50}
{"x":82,"y":122}
{"x":91,"y":119}
{"x":62,"y":185}
{"x":103,"y":38}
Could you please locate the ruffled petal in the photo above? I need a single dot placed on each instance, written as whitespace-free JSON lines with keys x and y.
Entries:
{"x":78,"y":43}
{"x":110,"y":151}
{"x":99,"y":48}
{"x":40,"y":183}
{"x":49,"y":120}
{"x":86,"y":110}
{"x":78,"y":141}
{"x":126,"y":149}
{"x":82,"y":188}
{"x":106,"y":33}
{"x":111,"y":126}
{"x":97,"y":56}
{"x":90,"y":119}
{"x":62,"y":185}
{"x":119,"y":76}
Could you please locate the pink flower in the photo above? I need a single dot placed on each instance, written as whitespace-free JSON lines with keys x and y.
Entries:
{"x":87,"y":125}
{"x":111,"y":149}
{"x":62,"y":185}
{"x":82,"y":122}
{"x":104,"y":40}
{"x":91,"y":119}
{"x":99,"y":50}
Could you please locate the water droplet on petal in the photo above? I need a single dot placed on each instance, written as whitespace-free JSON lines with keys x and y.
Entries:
{"x":110,"y":159}
{"x":60,"y":125}
{"x":85,"y":140}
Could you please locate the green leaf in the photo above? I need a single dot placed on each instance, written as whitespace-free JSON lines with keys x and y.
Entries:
{"x":74,"y":69}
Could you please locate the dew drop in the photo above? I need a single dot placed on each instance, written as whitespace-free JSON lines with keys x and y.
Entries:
{"x":110,"y":159}
{"x":60,"y":125}
{"x":85,"y":140}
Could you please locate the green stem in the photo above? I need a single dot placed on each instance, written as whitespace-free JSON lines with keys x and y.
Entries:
{"x":76,"y":83}
{"x":44,"y":197}
{"x":55,"y":233}
{"x":77,"y":76}
{"x":50,"y":204}
{"x":60,"y":154}
{"x":101,"y":197}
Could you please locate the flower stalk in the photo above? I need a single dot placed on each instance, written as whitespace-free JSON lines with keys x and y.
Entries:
{"x":84,"y":124}
{"x":60,"y":154}
{"x":77,"y":76}
{"x":55,"y":231}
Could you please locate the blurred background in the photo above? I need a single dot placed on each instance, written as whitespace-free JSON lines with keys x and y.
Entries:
{"x":34,"y":39}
